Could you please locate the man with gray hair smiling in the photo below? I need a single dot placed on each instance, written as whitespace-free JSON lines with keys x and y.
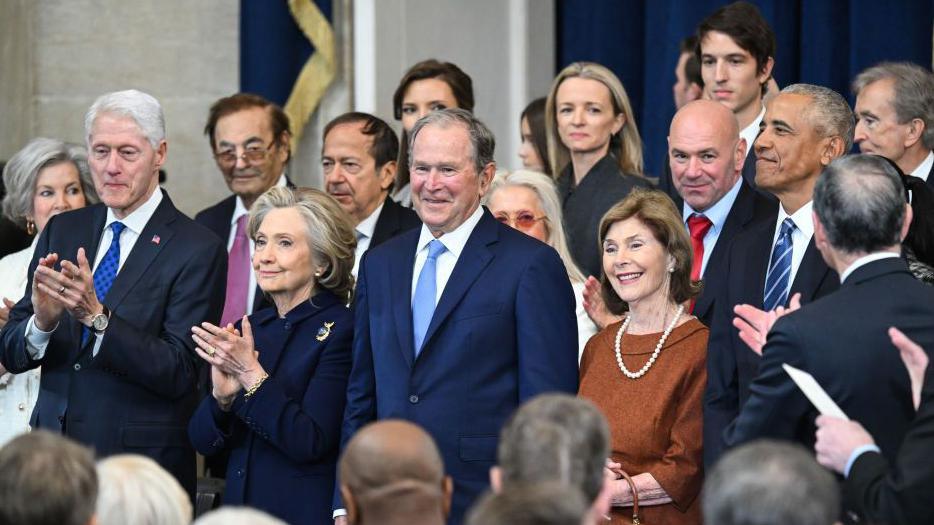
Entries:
{"x":115,"y":290}
{"x":860,"y":218}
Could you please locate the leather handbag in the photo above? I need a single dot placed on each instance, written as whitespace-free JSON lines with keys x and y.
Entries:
{"x":635,"y":500}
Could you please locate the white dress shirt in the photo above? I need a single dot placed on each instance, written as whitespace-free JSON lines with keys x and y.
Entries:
{"x":37,"y":340}
{"x":454,"y":242}
{"x":924,"y":169}
{"x":240,"y":209}
{"x":364,"y":232}
{"x":799,"y":238}
{"x":863,"y":261}
{"x":751,"y":131}
{"x":717,"y":215}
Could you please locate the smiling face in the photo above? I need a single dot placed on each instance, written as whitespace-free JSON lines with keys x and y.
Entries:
{"x":124,"y":165}
{"x":58,"y":189}
{"x":585,"y":116}
{"x":531,"y":160}
{"x":789,"y":151}
{"x":424,"y":96}
{"x":636,"y":263}
{"x":519,"y":207}
{"x":282,"y":258}
{"x":350,"y":172}
{"x":446,"y":188}
{"x":731,"y":76}
{"x":249,"y":132}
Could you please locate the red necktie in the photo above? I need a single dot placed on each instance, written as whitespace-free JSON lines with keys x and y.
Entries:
{"x":238,"y":275}
{"x":698,"y":225}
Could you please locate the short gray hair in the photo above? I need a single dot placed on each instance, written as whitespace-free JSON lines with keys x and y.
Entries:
{"x":135,"y":489}
{"x":769,"y":482}
{"x":546,"y":503}
{"x":829,"y":113}
{"x":143,"y":108}
{"x":22,"y":171}
{"x":330,"y":233}
{"x":237,"y":516}
{"x":914,"y":93}
{"x":482,"y":141}
{"x":555,"y":436}
{"x":544,"y":188}
{"x":860,"y":202}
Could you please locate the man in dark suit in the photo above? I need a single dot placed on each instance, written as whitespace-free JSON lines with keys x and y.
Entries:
{"x":735,"y":47}
{"x":358,"y":158}
{"x":804,"y":129}
{"x":250,"y":139}
{"x":116,"y":288}
{"x":459,"y":321}
{"x":860,"y":217}
{"x":706,"y":156}
{"x":895,"y":118}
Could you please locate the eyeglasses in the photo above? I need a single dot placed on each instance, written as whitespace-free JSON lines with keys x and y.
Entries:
{"x":252,"y":153}
{"x":523,"y":220}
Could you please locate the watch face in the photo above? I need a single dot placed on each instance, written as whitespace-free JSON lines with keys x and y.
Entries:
{"x":99,"y":322}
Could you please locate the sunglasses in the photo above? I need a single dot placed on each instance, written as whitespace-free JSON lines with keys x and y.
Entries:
{"x":523,"y":220}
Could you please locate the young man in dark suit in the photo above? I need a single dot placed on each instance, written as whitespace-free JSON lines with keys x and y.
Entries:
{"x":358,"y":158}
{"x":805,"y":127}
{"x":249,"y":138}
{"x":116,"y":288}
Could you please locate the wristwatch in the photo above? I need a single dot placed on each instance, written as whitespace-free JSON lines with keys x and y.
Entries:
{"x":100,"y":321}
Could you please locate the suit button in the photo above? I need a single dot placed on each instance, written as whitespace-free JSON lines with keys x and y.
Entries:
{"x":22,"y":406}
{"x":287,"y":325}
{"x":413,"y":399}
{"x":77,"y":367}
{"x":240,"y":472}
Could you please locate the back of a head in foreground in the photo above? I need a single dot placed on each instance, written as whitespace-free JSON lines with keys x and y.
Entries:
{"x":135,"y":489}
{"x":46,"y":479}
{"x":770,"y":483}
{"x":237,"y":516}
{"x":547,"y":503}
{"x":391,"y":472}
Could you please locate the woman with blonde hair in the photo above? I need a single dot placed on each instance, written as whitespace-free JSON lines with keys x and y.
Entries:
{"x":527,"y":201}
{"x":595,"y":150}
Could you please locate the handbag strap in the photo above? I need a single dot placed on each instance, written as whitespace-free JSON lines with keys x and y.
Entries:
{"x":635,"y":498}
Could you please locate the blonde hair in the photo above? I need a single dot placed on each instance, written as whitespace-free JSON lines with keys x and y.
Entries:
{"x":544,"y":188}
{"x":328,"y":227}
{"x":625,"y":145}
{"x":135,"y":489}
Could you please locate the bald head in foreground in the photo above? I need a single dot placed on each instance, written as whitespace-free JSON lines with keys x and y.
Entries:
{"x":391,"y":472}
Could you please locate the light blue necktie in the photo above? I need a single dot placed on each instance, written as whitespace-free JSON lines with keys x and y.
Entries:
{"x":107,"y":270}
{"x":776,"y":281}
{"x":423,"y":303}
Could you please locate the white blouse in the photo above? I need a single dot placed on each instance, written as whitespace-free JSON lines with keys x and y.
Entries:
{"x":585,"y":327}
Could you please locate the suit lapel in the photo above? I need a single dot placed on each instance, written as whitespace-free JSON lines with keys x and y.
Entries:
{"x":473,"y":259}
{"x":387,"y":224}
{"x":401,"y":266}
{"x":155,"y":236}
{"x":812,"y":272}
{"x":757,"y":264}
{"x":749,"y":167}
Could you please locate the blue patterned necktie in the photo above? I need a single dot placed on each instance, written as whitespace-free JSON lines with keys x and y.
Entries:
{"x":107,"y":270}
{"x":423,"y":303}
{"x":776,"y":281}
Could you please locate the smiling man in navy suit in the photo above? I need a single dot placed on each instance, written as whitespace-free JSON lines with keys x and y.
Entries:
{"x":459,"y":321}
{"x":116,"y":288}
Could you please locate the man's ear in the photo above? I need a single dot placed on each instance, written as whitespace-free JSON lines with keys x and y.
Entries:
{"x":386,"y":175}
{"x":486,"y":177}
{"x":834,"y":148}
{"x":447,"y":491}
{"x":915,"y":132}
{"x":349,"y":504}
{"x":909,"y":215}
{"x":496,"y":479}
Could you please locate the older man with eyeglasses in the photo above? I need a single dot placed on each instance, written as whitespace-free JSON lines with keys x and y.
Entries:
{"x":249,"y":138}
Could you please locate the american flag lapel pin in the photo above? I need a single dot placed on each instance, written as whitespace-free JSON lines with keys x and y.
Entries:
{"x":156,"y":239}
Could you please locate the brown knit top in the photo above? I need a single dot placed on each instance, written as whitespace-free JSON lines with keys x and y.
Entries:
{"x":656,"y":421}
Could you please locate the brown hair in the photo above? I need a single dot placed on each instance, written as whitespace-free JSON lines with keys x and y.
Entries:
{"x":461,"y":87}
{"x":657,"y":211}
{"x":535,"y":114}
{"x":385,"y":144}
{"x":278,"y":120}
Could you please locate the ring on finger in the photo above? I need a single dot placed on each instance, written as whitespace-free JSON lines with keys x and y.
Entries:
{"x":211,"y":351}
{"x":61,"y":290}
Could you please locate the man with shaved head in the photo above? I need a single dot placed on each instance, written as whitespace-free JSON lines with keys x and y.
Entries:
{"x":706,"y":156}
{"x":391,"y":472}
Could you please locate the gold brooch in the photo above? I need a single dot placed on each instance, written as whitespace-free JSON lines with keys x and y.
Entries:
{"x":324,"y":331}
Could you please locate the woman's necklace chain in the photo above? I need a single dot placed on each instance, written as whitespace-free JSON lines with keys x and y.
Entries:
{"x":658,"y":347}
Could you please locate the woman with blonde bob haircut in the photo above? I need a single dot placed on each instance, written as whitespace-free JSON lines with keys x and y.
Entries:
{"x":527,"y":201}
{"x":279,"y":388}
{"x":648,"y":371}
{"x":594,"y":148}
{"x":135,"y":489}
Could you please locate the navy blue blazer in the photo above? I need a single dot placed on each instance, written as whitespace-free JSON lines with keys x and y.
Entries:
{"x":138,"y":393}
{"x":283,"y":442}
{"x":731,"y":365}
{"x":504,"y":330}
{"x":842,"y":340}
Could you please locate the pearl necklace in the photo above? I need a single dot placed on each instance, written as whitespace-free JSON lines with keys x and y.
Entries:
{"x":658,"y":347}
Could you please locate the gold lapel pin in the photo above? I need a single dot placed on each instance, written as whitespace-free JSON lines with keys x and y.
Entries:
{"x":324,"y":331}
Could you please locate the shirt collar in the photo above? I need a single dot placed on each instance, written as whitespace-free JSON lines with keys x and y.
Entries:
{"x":924,"y":169}
{"x":137,"y":220}
{"x":863,"y":261}
{"x":241,"y":209}
{"x":751,"y":131}
{"x":368,"y":226}
{"x":802,"y":218}
{"x":456,"y":240}
{"x":720,"y":210}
